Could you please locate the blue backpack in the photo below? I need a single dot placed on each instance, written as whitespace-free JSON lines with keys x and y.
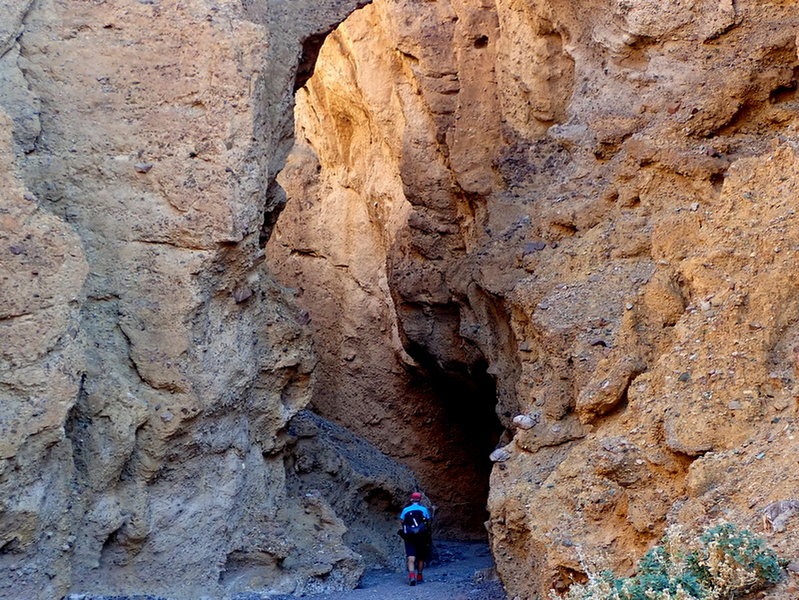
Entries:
{"x":414,"y":523}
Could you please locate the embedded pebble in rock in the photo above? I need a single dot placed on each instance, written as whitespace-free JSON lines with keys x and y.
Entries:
{"x":526,"y":421}
{"x":500,"y":455}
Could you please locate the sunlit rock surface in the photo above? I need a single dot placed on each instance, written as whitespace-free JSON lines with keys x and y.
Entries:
{"x":593,"y":203}
{"x":149,"y":361}
{"x":566,"y":229}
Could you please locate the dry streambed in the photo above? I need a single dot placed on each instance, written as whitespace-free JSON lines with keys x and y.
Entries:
{"x":461,"y":571}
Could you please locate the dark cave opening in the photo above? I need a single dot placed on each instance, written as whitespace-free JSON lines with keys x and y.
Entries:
{"x":464,"y":434}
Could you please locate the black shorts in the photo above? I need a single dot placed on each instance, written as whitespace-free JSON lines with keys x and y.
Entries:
{"x":418,"y":547}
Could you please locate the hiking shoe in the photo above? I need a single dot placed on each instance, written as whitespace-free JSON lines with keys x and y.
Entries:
{"x":412,"y":579}
{"x":419,"y":578}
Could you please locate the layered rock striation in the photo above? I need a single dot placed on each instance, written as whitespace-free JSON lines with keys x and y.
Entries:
{"x":366,"y":239}
{"x":150,"y":364}
{"x":566,"y":229}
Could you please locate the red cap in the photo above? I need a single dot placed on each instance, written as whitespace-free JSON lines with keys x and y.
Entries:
{"x":416,"y":496}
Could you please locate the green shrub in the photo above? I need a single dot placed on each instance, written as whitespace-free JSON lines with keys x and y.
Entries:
{"x":721,"y":564}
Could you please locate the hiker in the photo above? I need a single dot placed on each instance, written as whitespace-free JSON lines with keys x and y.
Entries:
{"x":416,"y":532}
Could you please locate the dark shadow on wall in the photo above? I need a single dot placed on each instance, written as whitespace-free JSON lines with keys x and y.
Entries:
{"x":462,"y":437}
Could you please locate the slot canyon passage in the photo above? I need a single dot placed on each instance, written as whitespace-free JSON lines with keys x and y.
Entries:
{"x":268,"y":266}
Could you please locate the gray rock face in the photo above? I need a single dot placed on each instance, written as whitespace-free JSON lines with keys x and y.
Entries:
{"x":322,"y":456}
{"x":149,"y":362}
{"x":587,"y":208}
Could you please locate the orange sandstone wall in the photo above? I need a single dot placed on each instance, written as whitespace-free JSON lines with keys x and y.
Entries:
{"x":596,"y":200}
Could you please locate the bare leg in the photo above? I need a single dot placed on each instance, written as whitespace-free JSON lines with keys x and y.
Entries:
{"x":411,"y":564}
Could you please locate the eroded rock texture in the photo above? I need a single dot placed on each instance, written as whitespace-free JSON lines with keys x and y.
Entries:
{"x":593,"y":203}
{"x":568,"y":224}
{"x":372,"y":231}
{"x":149,"y":362}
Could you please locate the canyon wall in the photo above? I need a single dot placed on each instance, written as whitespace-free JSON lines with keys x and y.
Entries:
{"x":398,"y":373}
{"x":591,"y":203}
{"x":559,"y":233}
{"x":150,"y":363}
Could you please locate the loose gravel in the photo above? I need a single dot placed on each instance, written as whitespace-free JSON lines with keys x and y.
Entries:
{"x":459,"y":571}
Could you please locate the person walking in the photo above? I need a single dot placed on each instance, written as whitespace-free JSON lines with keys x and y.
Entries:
{"x":417,"y":534}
